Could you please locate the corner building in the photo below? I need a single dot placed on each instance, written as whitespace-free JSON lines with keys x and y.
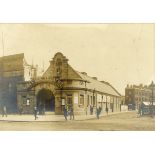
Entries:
{"x":60,"y":86}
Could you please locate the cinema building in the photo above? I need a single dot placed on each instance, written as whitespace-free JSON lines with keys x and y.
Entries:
{"x":60,"y":85}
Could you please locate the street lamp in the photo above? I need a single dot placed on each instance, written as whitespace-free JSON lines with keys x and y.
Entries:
{"x":152,"y":85}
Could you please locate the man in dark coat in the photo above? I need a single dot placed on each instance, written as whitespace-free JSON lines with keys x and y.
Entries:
{"x":97,"y":113}
{"x":71,"y":113}
{"x":35,"y":112}
{"x":4,"y":111}
{"x":91,"y":109}
{"x":65,"y":113}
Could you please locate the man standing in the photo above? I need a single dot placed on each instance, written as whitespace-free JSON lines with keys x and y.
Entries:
{"x":4,"y":112}
{"x":65,"y":113}
{"x":97,"y":113}
{"x":35,"y":112}
{"x":71,"y":113}
{"x":91,"y":109}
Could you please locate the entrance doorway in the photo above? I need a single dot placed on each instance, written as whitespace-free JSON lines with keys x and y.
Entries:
{"x":45,"y":101}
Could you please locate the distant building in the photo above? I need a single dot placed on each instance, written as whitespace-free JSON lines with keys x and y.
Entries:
{"x":13,"y":69}
{"x":136,"y":94}
{"x":60,"y":86}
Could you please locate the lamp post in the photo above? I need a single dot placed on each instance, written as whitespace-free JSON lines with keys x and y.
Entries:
{"x":152,"y":85}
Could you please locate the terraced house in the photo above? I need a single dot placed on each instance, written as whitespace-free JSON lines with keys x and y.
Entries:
{"x":59,"y":86}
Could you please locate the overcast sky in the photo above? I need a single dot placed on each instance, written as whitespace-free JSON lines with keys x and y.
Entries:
{"x":117,"y":53}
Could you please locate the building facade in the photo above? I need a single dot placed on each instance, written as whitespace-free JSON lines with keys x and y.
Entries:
{"x":61,"y":86}
{"x":13,"y":69}
{"x":136,"y":94}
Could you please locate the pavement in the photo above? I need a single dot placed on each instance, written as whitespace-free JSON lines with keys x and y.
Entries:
{"x":50,"y":117}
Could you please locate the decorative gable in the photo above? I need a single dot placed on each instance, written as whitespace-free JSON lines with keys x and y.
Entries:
{"x":59,"y":68}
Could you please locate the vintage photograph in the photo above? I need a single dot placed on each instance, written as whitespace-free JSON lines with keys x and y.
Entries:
{"x":77,"y":77}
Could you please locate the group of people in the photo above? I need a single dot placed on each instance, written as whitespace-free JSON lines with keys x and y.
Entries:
{"x":68,"y":112}
{"x":98,"y":111}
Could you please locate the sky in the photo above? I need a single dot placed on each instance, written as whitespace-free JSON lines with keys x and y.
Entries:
{"x":118,"y":53}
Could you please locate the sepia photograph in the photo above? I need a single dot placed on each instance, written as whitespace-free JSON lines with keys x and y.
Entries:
{"x":77,"y":77}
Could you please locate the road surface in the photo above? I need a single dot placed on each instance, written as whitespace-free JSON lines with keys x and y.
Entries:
{"x":118,"y":122}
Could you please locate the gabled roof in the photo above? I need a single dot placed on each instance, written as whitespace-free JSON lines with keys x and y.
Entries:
{"x":104,"y":87}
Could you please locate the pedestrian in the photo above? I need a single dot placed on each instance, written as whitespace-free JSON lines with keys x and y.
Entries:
{"x":35,"y":112}
{"x":71,"y":113}
{"x":91,"y":109}
{"x":142,"y":109}
{"x":97,"y":113}
{"x":65,"y":113}
{"x":4,"y":111}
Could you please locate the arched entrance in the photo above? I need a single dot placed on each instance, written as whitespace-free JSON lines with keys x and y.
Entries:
{"x":45,"y":101}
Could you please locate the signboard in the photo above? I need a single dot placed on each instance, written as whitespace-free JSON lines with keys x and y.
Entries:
{"x":63,"y":101}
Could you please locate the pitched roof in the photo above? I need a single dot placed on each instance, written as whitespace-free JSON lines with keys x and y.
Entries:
{"x":103,"y":86}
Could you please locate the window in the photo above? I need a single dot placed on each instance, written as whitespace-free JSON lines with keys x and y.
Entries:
{"x":58,"y":63}
{"x":69,"y":100}
{"x":24,"y":99}
{"x":28,"y":102}
{"x":81,"y":99}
